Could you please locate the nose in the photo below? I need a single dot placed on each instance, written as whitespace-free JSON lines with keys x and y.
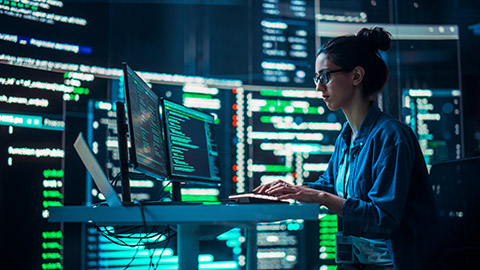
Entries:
{"x":319,"y":87}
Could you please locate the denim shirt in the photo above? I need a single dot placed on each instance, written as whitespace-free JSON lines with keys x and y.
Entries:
{"x":390,"y":196}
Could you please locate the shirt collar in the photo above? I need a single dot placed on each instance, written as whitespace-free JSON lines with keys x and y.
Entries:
{"x":366,"y":126}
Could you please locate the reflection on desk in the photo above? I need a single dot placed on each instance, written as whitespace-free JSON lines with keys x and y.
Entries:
{"x":174,"y":214}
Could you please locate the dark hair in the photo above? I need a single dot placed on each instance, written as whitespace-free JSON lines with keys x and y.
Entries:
{"x":361,"y":50}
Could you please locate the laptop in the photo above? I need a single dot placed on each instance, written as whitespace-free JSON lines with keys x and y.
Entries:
{"x":98,"y":175}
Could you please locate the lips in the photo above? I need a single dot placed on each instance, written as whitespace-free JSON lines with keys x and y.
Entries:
{"x":325,"y":97}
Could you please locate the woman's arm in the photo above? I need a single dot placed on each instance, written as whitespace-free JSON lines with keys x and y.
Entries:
{"x":305,"y":194}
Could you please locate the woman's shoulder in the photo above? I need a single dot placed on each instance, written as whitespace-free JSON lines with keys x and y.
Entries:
{"x":387,"y":120}
{"x":391,"y":128}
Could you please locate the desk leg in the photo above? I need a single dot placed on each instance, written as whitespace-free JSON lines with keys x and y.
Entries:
{"x":252,"y":248}
{"x":188,"y":246}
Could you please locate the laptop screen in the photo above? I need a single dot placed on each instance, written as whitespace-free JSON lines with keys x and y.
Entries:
{"x":96,"y":171}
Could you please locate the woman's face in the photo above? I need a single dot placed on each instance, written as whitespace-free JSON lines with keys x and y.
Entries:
{"x":338,"y":92}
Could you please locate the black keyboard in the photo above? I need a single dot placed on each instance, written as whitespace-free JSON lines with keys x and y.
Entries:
{"x":256,"y":198}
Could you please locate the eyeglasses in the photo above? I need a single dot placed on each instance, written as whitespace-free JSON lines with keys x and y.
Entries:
{"x":324,"y":77}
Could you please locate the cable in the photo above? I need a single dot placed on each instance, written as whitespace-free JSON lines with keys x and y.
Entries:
{"x":120,"y":234}
{"x":143,"y":216}
{"x":142,"y":176}
{"x":166,"y":245}
{"x":150,"y":263}
{"x":161,"y":191}
{"x":116,"y":239}
{"x":115,"y":179}
{"x":133,"y":258}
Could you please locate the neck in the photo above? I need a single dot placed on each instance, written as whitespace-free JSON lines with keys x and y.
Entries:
{"x":356,"y":113}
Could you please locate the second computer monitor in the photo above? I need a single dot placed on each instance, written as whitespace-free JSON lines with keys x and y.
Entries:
{"x":193,"y":154}
{"x":145,"y":128}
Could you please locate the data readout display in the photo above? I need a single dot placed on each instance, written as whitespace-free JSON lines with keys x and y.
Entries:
{"x":193,"y":153}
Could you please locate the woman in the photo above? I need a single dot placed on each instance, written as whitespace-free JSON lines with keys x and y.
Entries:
{"x":376,"y":178}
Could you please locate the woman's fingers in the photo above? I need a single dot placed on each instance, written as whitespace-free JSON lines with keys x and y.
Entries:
{"x":275,"y":187}
{"x":281,"y":188}
{"x":262,"y":189}
{"x":295,"y":196}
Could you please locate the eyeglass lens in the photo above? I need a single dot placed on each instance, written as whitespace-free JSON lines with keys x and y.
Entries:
{"x":322,"y":78}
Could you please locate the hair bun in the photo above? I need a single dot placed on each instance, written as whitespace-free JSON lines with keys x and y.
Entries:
{"x":377,"y":38}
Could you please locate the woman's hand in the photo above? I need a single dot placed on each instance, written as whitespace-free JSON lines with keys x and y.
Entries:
{"x":284,"y":190}
{"x":274,"y":188}
{"x":303,"y":193}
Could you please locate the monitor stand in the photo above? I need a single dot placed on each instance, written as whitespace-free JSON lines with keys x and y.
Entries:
{"x":123,"y":151}
{"x":176,"y":191}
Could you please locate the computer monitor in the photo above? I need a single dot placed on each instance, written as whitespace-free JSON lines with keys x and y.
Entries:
{"x":147,"y":152}
{"x":191,"y":145}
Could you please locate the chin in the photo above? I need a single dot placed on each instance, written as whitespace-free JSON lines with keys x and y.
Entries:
{"x":332,"y":107}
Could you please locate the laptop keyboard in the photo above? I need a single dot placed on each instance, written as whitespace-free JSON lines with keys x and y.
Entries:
{"x":256,"y":198}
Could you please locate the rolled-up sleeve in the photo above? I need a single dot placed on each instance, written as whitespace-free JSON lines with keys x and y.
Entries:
{"x":379,"y":214}
{"x":326,"y":181}
{"x":322,"y":184}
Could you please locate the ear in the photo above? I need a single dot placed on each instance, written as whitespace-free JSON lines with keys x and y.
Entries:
{"x":358,"y":74}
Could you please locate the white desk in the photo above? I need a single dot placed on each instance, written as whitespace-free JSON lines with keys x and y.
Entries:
{"x":190,"y":221}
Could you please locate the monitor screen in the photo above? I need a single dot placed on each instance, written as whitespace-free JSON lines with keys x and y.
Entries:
{"x":145,"y":129}
{"x":193,"y":155}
